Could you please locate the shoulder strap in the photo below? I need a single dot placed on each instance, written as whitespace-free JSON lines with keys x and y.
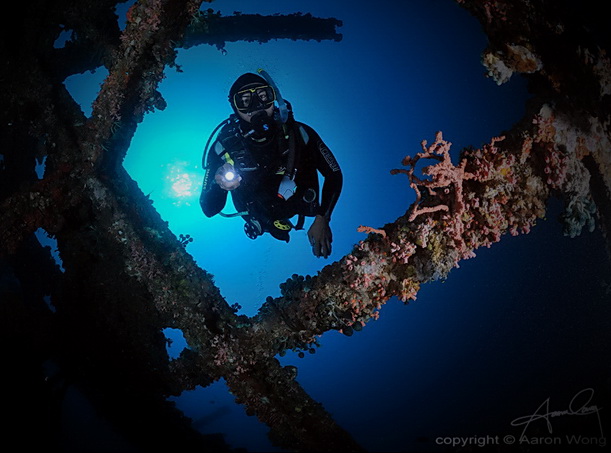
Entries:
{"x":225,"y":122}
{"x":297,"y":138}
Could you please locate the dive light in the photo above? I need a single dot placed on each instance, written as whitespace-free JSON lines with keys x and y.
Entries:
{"x":230,"y":174}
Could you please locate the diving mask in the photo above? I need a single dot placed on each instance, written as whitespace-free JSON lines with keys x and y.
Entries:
{"x":252,"y":99}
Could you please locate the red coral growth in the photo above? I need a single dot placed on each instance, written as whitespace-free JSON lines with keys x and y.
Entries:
{"x":366,"y":229}
{"x":130,"y":13}
{"x":473,"y":199}
{"x":556,"y":162}
{"x":444,"y":186}
{"x":442,"y":175}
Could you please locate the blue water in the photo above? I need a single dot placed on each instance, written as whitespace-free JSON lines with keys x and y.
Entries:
{"x":505,"y":331}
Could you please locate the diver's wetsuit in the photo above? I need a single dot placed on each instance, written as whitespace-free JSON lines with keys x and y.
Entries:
{"x":258,"y":191}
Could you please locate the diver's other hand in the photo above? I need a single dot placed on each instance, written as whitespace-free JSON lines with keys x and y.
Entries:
{"x":227,"y":178}
{"x":320,"y":237}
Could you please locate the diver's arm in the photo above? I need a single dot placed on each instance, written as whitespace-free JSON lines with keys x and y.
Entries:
{"x":212,"y":199}
{"x":320,"y":234}
{"x":329,"y":168}
{"x":331,"y":189}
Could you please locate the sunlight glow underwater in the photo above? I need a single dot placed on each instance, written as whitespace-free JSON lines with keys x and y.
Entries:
{"x":180,"y":177}
{"x":182,"y":183}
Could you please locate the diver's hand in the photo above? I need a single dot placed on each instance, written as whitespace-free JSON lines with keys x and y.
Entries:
{"x":221,"y":177}
{"x":320,"y":237}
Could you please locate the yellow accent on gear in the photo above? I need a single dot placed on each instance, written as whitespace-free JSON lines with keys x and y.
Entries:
{"x":282,"y":225}
{"x":228,"y":159}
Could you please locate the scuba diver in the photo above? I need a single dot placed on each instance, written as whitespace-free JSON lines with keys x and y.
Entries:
{"x":270,"y":163}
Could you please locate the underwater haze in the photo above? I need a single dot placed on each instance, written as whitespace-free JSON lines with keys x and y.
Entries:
{"x":526,"y":320}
